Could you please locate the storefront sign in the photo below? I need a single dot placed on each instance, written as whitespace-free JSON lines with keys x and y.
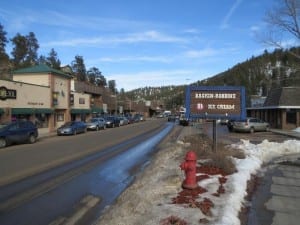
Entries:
{"x":7,"y":93}
{"x":215,"y":102}
{"x":35,"y":103}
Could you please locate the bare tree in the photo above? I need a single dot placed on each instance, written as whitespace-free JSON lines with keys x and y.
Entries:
{"x":283,"y":24}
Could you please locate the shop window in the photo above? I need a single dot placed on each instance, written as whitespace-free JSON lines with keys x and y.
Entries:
{"x":41,"y":120}
{"x":60,"y":117}
{"x":71,"y":99}
{"x":291,"y":116}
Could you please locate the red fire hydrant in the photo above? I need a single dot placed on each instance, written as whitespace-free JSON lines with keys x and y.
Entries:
{"x":189,"y":166}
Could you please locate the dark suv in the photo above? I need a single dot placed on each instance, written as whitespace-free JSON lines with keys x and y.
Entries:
{"x":17,"y":132}
{"x":112,"y":121}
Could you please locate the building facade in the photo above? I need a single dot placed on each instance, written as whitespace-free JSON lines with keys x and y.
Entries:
{"x":43,"y":95}
{"x":20,"y":100}
{"x":281,"y":108}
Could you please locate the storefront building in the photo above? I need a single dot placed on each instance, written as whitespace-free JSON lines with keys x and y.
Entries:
{"x":20,"y":100}
{"x":80,"y":107}
{"x":281,"y":108}
{"x":42,"y":94}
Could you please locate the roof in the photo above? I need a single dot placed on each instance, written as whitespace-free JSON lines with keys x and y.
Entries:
{"x":41,"y":68}
{"x":285,"y":96}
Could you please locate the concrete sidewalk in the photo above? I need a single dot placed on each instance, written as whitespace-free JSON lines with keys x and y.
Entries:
{"x":289,"y":133}
{"x":285,"y":199}
{"x":44,"y":133}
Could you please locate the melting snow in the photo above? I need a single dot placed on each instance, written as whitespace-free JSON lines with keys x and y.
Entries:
{"x":148,"y":200}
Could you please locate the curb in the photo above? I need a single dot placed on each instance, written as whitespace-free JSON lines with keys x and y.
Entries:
{"x":286,"y":133}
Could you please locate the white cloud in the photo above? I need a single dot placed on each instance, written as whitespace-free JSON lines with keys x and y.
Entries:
{"x":255,"y":28}
{"x":162,"y":59}
{"x":201,"y":53}
{"x":61,"y":19}
{"x":192,"y":31}
{"x":147,"y":36}
{"x":225,"y":21}
{"x":157,"y":78}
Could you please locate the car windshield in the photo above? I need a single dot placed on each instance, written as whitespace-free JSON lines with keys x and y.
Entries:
{"x":241,"y":121}
{"x":68,"y":124}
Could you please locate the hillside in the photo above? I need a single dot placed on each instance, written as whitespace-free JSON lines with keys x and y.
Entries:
{"x":258,"y":75}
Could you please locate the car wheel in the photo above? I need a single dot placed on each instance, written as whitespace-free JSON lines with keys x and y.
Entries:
{"x":31,"y":139}
{"x":2,"y":142}
{"x":252,"y":130}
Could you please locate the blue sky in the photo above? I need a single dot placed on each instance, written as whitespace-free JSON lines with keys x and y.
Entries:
{"x":142,"y":43}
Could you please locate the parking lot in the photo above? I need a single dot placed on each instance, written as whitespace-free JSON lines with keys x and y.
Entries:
{"x":226,"y":137}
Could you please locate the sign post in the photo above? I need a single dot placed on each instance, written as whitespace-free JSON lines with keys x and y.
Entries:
{"x":215,"y":102}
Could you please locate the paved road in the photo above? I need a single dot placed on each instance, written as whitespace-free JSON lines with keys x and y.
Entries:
{"x":19,"y":161}
{"x":76,"y":192}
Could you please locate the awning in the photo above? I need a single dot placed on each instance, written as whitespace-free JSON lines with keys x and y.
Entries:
{"x":1,"y":111}
{"x":30,"y":111}
{"x":96,"y":110}
{"x":19,"y":111}
{"x":80,"y":111}
{"x":43,"y":110}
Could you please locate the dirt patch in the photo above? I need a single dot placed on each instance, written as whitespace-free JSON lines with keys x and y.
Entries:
{"x":191,"y":198}
{"x":202,"y":145}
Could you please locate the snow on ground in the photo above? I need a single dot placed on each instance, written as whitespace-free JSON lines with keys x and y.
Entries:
{"x":148,"y":200}
{"x":297,"y":129}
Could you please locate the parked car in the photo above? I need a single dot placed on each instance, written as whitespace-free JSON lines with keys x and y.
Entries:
{"x":96,"y":123}
{"x":130,"y":119}
{"x":138,"y":118}
{"x":172,"y":118}
{"x":112,"y":121}
{"x":230,"y":125}
{"x":123,"y":120}
{"x":72,"y":128}
{"x":224,"y":121}
{"x":251,"y":125}
{"x":17,"y":132}
{"x":183,"y":121}
{"x":160,"y":115}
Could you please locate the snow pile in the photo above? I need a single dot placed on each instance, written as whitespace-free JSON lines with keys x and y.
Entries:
{"x":148,"y":200}
{"x":256,"y":155}
{"x":297,"y":129}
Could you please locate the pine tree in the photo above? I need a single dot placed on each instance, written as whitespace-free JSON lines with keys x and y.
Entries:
{"x":79,"y":69}
{"x":4,"y":58}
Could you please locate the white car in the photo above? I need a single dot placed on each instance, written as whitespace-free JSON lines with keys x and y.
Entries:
{"x":250,"y":125}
